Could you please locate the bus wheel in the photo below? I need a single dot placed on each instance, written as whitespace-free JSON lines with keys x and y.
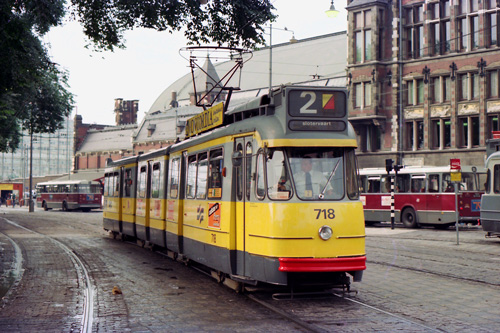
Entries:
{"x":409,"y":218}
{"x":65,"y":206}
{"x":45,"y":208}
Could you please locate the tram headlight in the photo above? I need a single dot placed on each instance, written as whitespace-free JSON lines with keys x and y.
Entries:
{"x":325,"y":232}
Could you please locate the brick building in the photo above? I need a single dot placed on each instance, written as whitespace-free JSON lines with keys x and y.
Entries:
{"x":423,"y":78}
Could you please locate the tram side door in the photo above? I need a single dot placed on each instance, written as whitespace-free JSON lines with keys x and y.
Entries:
{"x":242,"y":173}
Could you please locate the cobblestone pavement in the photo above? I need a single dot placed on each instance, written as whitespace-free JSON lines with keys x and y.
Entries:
{"x":416,"y":281}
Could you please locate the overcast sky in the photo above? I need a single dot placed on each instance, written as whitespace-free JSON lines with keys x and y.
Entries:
{"x":151,"y":60}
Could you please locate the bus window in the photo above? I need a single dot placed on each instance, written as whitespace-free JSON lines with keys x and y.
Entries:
{"x":174,"y":177}
{"x":433,"y":185}
{"x":191,"y":177}
{"x":260,"y":181}
{"x":447,"y":185}
{"x":362,"y":184}
{"x":351,"y":175}
{"x":201,"y":182}
{"x":156,"y":181}
{"x":215,"y":174}
{"x":373,"y":184}
{"x":481,"y":181}
{"x":418,"y":183}
{"x":385,"y":184}
{"x":403,"y":184}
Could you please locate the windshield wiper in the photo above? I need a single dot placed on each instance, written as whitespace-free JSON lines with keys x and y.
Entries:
{"x":322,"y":194}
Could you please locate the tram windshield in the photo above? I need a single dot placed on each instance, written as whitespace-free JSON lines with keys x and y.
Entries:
{"x":312,"y":173}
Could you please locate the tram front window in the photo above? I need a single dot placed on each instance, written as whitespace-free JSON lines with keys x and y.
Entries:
{"x":318,"y":173}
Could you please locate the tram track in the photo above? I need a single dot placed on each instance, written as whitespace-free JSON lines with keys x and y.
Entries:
{"x":87,"y":316}
{"x":291,"y":311}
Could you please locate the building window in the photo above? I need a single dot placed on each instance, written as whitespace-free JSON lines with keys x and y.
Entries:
{"x":440,"y":34}
{"x":474,"y":28}
{"x":369,"y":137}
{"x":469,"y":86}
{"x":468,"y":131}
{"x":441,"y":133}
{"x":363,"y":95}
{"x":414,"y":32}
{"x":363,"y":36}
{"x":441,"y":89}
{"x":492,"y":81}
{"x":415,"y":135}
{"x":492,"y":27}
{"x":416,"y":92}
{"x":493,"y":124}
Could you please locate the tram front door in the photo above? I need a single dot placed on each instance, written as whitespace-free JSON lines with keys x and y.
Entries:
{"x":242,"y":178}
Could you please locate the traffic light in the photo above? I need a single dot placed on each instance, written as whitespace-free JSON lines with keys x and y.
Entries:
{"x":388,"y":165}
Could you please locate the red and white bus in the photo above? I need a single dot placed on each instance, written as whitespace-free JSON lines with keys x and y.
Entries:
{"x":69,"y":194}
{"x":422,"y":195}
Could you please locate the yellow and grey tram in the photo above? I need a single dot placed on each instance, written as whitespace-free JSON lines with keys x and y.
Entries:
{"x":264,"y":192}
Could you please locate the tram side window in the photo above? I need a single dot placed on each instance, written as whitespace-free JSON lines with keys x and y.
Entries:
{"x":260,"y":180}
{"x":201,"y":181}
{"x":174,"y":178}
{"x":127,"y":189}
{"x":496,"y":179}
{"x":191,"y":177}
{"x":352,"y":175}
{"x":215,"y":174}
{"x":403,"y":183}
{"x":248,"y":177}
{"x":142,"y":182}
{"x":239,"y":175}
{"x":156,"y":181}
{"x":116,"y":182}
{"x":278,"y":179}
{"x":106,"y":184}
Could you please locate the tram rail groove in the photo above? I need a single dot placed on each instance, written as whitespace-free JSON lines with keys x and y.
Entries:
{"x":83,"y":274}
{"x":17,"y":268}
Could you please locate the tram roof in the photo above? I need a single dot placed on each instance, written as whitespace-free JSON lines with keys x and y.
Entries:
{"x":492,"y":159}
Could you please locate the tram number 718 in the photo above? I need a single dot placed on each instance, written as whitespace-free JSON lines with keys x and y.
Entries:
{"x":326,"y":213}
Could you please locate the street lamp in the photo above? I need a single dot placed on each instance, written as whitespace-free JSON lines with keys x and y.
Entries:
{"x":332,"y":12}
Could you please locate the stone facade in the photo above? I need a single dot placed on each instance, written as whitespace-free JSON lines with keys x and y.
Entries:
{"x":423,"y":77}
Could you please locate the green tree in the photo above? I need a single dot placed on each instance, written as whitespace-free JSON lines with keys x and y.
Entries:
{"x":33,"y":90}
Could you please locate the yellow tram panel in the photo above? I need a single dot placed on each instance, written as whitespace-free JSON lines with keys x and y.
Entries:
{"x":299,"y":223}
{"x":157,"y":214}
{"x":201,"y":226}
{"x":128,"y":209}
{"x":111,"y":208}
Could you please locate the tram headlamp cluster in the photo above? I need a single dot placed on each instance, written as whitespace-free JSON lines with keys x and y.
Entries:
{"x":325,"y":232}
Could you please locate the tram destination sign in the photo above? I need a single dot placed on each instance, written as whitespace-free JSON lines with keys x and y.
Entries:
{"x":317,"y":103}
{"x":205,"y":121}
{"x":317,"y":125}
{"x":316,"y":109}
